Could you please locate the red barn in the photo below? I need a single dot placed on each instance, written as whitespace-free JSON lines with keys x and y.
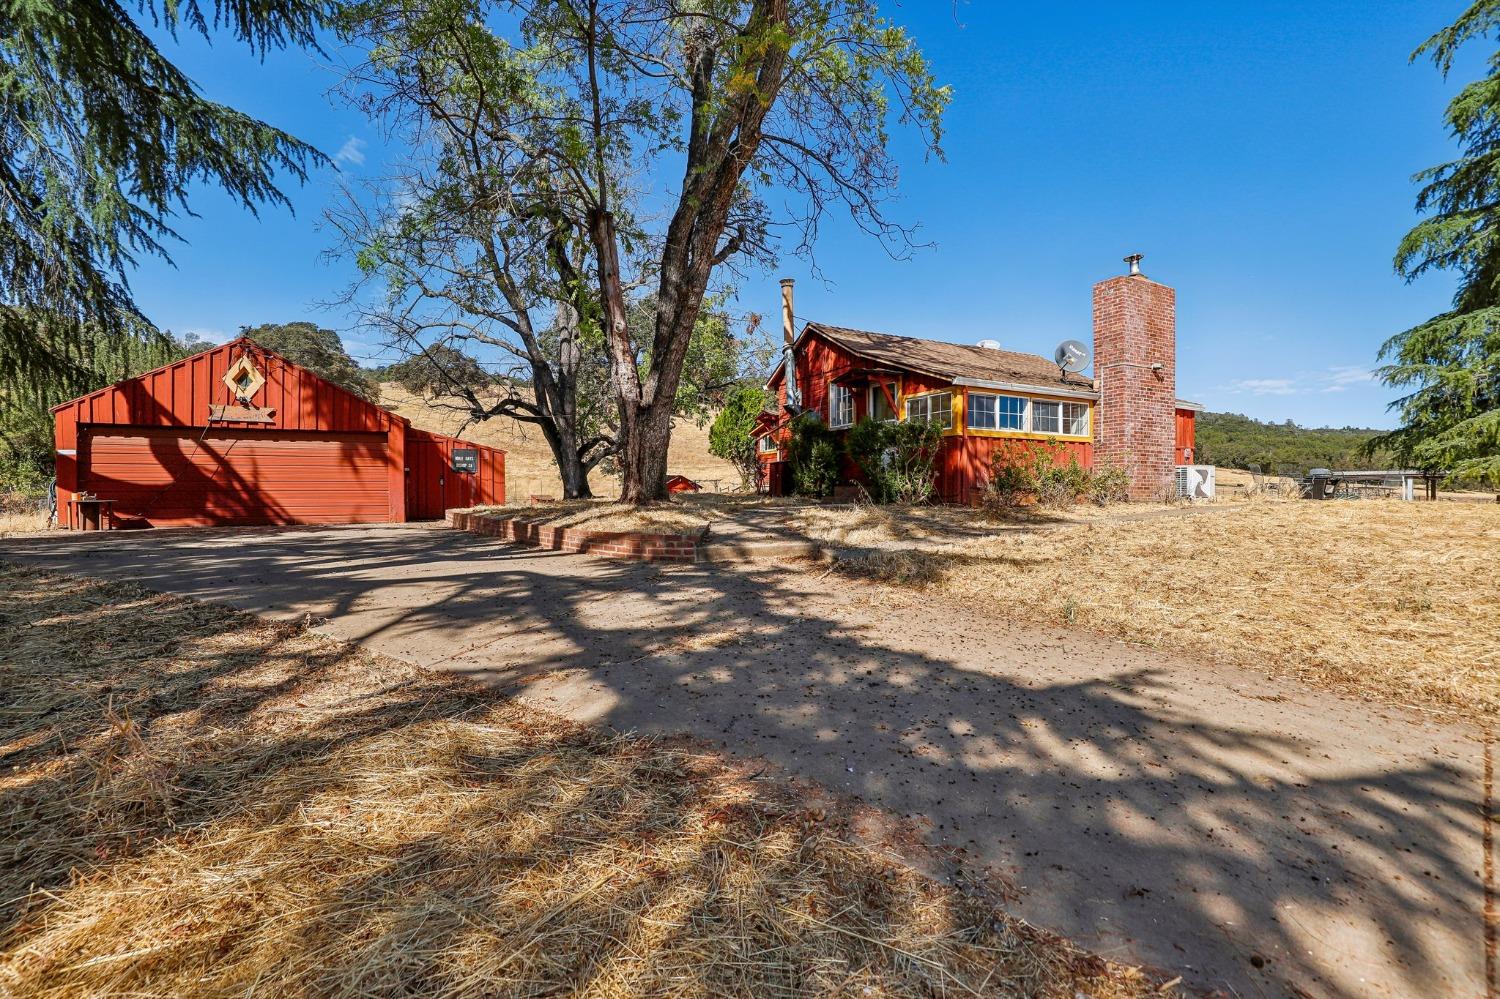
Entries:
{"x":238,"y":434}
{"x":987,"y":399}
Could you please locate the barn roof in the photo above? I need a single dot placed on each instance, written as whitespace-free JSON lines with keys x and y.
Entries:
{"x":953,"y":361}
{"x":226,"y":350}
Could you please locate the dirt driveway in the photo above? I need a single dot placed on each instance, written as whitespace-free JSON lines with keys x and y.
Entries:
{"x":1251,"y":836}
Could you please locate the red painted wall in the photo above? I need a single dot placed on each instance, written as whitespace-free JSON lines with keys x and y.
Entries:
{"x":1187,"y":422}
{"x":325,"y":456}
{"x":433,"y":487}
{"x":963,"y":466}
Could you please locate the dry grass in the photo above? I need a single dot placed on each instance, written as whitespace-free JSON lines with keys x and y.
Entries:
{"x":21,"y":522}
{"x":599,"y":515}
{"x":22,"y":513}
{"x":198,"y":802}
{"x":529,"y":468}
{"x":685,"y":514}
{"x":1398,"y":601}
{"x":944,"y":528}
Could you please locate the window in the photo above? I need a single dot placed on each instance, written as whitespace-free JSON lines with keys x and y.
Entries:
{"x":766,"y":444}
{"x":1012,"y":413}
{"x":936,"y":407}
{"x":1075,"y":418}
{"x":996,"y":412}
{"x":982,"y":412}
{"x":1046,"y":417}
{"x":840,"y":407}
{"x":880,"y":403}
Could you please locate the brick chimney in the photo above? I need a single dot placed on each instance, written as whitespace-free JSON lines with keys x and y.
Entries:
{"x":1135,"y":372}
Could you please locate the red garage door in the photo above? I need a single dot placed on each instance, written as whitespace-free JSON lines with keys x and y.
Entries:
{"x":167,"y":477}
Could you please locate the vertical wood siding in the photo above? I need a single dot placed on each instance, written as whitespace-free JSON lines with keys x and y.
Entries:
{"x":1187,"y":422}
{"x":326,"y":456}
{"x":433,"y":488}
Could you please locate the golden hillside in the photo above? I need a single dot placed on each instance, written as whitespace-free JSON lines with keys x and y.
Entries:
{"x":529,"y":469}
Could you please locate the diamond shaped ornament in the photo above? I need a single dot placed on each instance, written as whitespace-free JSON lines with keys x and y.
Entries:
{"x":243,"y":379}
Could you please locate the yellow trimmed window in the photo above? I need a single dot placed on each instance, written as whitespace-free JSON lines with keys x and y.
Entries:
{"x":1018,"y":414}
{"x":934,"y":407}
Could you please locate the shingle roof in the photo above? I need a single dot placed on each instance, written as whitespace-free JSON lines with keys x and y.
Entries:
{"x":951,"y":360}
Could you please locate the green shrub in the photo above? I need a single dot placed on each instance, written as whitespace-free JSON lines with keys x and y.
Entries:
{"x":732,"y":436}
{"x":896,"y":459}
{"x":1041,"y":473}
{"x":813,"y":455}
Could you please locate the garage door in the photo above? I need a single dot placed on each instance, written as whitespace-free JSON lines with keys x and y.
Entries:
{"x":170,"y":477}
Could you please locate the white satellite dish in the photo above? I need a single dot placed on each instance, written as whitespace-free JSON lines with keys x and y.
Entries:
{"x":1071,"y":355}
{"x":990,"y":344}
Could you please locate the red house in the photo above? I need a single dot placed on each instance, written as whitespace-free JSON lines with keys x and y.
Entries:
{"x":237,"y":434}
{"x":1126,"y":414}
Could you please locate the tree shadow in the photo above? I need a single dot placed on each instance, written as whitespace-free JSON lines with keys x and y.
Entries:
{"x":1256,"y":846}
{"x":243,"y":806}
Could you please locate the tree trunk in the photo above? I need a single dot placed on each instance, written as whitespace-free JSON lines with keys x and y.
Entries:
{"x":643,"y":460}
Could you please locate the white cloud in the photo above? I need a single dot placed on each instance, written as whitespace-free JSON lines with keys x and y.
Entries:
{"x":1339,"y":378}
{"x":351,"y":152}
{"x":1264,"y":386}
{"x":208,"y":335}
{"x":1349,"y":375}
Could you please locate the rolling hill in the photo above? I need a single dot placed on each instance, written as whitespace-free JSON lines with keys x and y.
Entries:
{"x":529,"y":469}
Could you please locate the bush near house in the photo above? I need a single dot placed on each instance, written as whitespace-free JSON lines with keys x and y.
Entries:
{"x":1045,"y":474}
{"x":814,"y":454}
{"x":896,"y":459}
{"x":732,"y":436}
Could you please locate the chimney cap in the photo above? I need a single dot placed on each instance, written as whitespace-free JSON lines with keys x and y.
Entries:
{"x":788,"y":282}
{"x":1134,"y":260}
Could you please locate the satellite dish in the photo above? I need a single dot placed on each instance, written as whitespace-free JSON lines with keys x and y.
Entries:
{"x":1071,"y":355}
{"x":990,"y":344}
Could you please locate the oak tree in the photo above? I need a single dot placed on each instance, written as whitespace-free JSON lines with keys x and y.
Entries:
{"x":736,"y":123}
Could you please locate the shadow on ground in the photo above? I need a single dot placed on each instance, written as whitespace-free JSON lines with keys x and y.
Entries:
{"x":1255,"y":838}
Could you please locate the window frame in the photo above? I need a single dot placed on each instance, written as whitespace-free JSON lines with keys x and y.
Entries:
{"x":1000,"y":414}
{"x":1088,"y":419}
{"x":873,"y":392}
{"x":969,"y":410}
{"x":1027,"y":405}
{"x":763,"y":440}
{"x":926,"y":398}
{"x":1035,"y":404}
{"x":837,"y":392}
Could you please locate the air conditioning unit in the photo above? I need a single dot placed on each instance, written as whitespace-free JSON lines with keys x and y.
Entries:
{"x":1195,"y":481}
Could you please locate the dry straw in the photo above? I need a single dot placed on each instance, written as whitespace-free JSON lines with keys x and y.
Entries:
{"x":200,"y":803}
{"x":1384,"y":599}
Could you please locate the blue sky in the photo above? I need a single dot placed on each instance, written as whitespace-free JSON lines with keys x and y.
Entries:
{"x":1259,"y":155}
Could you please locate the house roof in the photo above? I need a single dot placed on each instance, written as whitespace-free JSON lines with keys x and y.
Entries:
{"x":953,"y":361}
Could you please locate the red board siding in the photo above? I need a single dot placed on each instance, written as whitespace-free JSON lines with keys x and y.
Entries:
{"x":432,"y":487}
{"x":963,"y":467}
{"x":1187,"y":421}
{"x":171,"y":478}
{"x":180,"y":396}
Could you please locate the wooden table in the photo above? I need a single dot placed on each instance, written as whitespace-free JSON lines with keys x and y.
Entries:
{"x":92,"y":514}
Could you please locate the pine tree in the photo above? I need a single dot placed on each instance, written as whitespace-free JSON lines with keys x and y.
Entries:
{"x":102,"y":136}
{"x":1450,"y":365}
